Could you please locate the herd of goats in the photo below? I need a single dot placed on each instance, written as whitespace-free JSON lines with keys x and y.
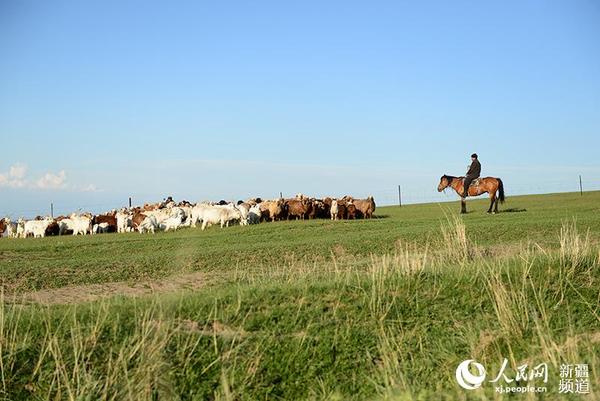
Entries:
{"x":169,"y":215}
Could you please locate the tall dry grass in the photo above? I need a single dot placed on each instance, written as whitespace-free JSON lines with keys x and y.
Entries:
{"x":524,"y":306}
{"x":521,"y":305}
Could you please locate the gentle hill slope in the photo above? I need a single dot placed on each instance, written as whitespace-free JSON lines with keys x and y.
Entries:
{"x":381,"y":309}
{"x":34,"y":264}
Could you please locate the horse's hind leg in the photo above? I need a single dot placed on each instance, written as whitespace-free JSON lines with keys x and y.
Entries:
{"x":496,"y":206}
{"x":492,"y":201}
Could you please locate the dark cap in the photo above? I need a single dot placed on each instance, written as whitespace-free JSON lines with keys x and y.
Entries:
{"x":474,"y":155}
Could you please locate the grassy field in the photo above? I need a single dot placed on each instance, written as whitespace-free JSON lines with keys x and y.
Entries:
{"x":351,"y":310}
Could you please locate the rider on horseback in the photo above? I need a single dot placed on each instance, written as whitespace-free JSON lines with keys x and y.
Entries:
{"x":472,"y":174}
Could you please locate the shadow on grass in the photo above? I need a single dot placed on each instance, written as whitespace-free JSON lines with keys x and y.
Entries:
{"x":513,"y":210}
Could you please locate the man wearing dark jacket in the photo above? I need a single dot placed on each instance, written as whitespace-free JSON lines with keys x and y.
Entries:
{"x":473,"y":173}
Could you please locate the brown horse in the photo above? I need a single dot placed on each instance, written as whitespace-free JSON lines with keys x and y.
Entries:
{"x":491,"y":185}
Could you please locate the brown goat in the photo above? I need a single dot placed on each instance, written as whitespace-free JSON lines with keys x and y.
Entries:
{"x":319,"y":210}
{"x":52,"y":229}
{"x":342,"y":210}
{"x":351,"y":212}
{"x":109,"y":218}
{"x":273,"y":209}
{"x":137,"y":219}
{"x":298,"y":208}
{"x":365,"y":207}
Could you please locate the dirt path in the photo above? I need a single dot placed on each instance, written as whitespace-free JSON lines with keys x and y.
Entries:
{"x":92,"y":292}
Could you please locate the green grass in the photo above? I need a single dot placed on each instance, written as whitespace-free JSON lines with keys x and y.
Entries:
{"x":381,"y":309}
{"x":54,"y":262}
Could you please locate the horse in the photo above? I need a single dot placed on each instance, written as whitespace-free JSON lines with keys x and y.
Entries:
{"x":491,"y":185}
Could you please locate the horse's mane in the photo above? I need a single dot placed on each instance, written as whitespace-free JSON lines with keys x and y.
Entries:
{"x":450,"y":178}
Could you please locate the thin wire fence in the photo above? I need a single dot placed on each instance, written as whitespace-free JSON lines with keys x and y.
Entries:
{"x":414,"y":195}
{"x":410,"y":194}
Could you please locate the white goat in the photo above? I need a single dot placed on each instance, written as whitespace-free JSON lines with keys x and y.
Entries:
{"x":37,"y":227}
{"x":101,"y":228}
{"x":124,"y":222}
{"x":254,"y":214}
{"x":150,"y":224}
{"x":244,"y":209}
{"x":11,"y":228}
{"x":220,"y":215}
{"x":172,"y":223}
{"x":79,"y":224}
{"x":334,"y":210}
{"x":21,"y":228}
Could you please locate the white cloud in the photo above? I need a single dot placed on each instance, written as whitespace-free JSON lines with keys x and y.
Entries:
{"x":52,"y":181}
{"x":17,"y":177}
{"x":90,"y":188}
{"x":18,"y":171}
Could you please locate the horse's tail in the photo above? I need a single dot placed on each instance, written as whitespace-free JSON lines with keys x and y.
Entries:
{"x":500,"y":190}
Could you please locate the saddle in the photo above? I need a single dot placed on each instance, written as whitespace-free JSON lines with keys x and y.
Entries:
{"x":474,"y":183}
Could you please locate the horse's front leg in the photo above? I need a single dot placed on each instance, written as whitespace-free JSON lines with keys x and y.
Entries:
{"x":463,"y":205}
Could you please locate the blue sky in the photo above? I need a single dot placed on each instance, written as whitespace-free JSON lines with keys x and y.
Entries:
{"x":226,"y":100}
